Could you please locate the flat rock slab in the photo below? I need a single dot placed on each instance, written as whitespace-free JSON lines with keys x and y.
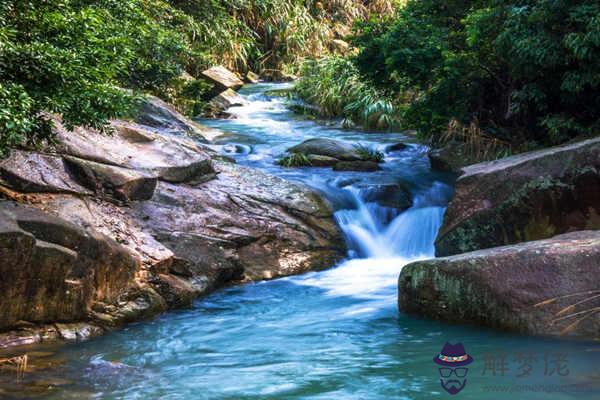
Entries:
{"x":32,"y":172}
{"x":525,"y":197}
{"x":544,"y":287}
{"x":170,"y":159}
{"x":222,"y":78}
{"x":120,"y":183}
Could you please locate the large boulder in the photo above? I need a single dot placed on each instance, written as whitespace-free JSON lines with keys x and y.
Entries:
{"x":222,"y":78}
{"x":544,"y":287}
{"x":526,"y":197}
{"x":242,"y":226}
{"x":328,"y":147}
{"x":77,"y":262}
{"x":137,"y":147}
{"x":54,"y":270}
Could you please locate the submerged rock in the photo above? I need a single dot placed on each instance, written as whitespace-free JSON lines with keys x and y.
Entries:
{"x":360,"y":166}
{"x":397,"y":147}
{"x":222,"y":78}
{"x":387,"y":195}
{"x":525,"y":197}
{"x":537,"y":287}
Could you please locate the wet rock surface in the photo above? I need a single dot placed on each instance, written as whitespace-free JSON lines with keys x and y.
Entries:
{"x":544,"y":287}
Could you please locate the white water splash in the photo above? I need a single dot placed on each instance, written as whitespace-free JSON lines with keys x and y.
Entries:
{"x":410,"y":235}
{"x":385,"y":249}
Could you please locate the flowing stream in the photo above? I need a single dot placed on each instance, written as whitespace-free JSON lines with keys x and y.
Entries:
{"x":335,"y":334}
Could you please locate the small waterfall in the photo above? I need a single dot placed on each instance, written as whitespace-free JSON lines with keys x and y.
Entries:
{"x":410,"y":234}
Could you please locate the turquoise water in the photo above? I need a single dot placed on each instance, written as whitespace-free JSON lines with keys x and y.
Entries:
{"x":335,"y":334}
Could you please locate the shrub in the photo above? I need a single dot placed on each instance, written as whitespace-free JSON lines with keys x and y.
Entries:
{"x":335,"y":86}
{"x":524,"y":70}
{"x":369,"y":154}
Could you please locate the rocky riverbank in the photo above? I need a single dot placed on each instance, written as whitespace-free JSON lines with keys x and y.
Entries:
{"x":100,"y":230}
{"x":522,"y":246}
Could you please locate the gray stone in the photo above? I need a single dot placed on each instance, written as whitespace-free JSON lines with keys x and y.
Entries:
{"x":120,"y":183}
{"x":32,"y":172}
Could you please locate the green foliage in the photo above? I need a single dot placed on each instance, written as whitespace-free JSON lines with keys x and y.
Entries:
{"x":74,"y":57}
{"x":368,"y":154}
{"x":335,"y":86}
{"x":295,"y":160}
{"x":523,"y":70}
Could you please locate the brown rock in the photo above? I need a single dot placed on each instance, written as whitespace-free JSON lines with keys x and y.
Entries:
{"x":328,"y":147}
{"x":53,"y":270}
{"x":251,"y":77}
{"x":322,"y":161}
{"x":222,"y":78}
{"x":32,"y":172}
{"x":120,"y":183}
{"x":532,"y":287}
{"x":224,"y":100}
{"x":171,"y":159}
{"x":158,"y":114}
{"x":241,"y":224}
{"x":525,"y":197}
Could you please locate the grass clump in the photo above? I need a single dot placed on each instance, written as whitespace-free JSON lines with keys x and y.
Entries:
{"x":369,"y":154}
{"x":295,"y":160}
{"x":335,"y":86}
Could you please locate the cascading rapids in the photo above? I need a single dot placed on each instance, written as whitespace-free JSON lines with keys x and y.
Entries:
{"x":409,"y":235}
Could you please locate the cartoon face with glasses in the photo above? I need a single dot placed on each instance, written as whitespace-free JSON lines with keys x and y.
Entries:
{"x":453,"y":375}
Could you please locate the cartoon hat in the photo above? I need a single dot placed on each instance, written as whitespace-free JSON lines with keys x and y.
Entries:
{"x":453,"y":355}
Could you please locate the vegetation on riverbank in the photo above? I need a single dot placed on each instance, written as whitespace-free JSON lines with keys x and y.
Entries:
{"x":74,"y":57}
{"x":526,"y":73}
